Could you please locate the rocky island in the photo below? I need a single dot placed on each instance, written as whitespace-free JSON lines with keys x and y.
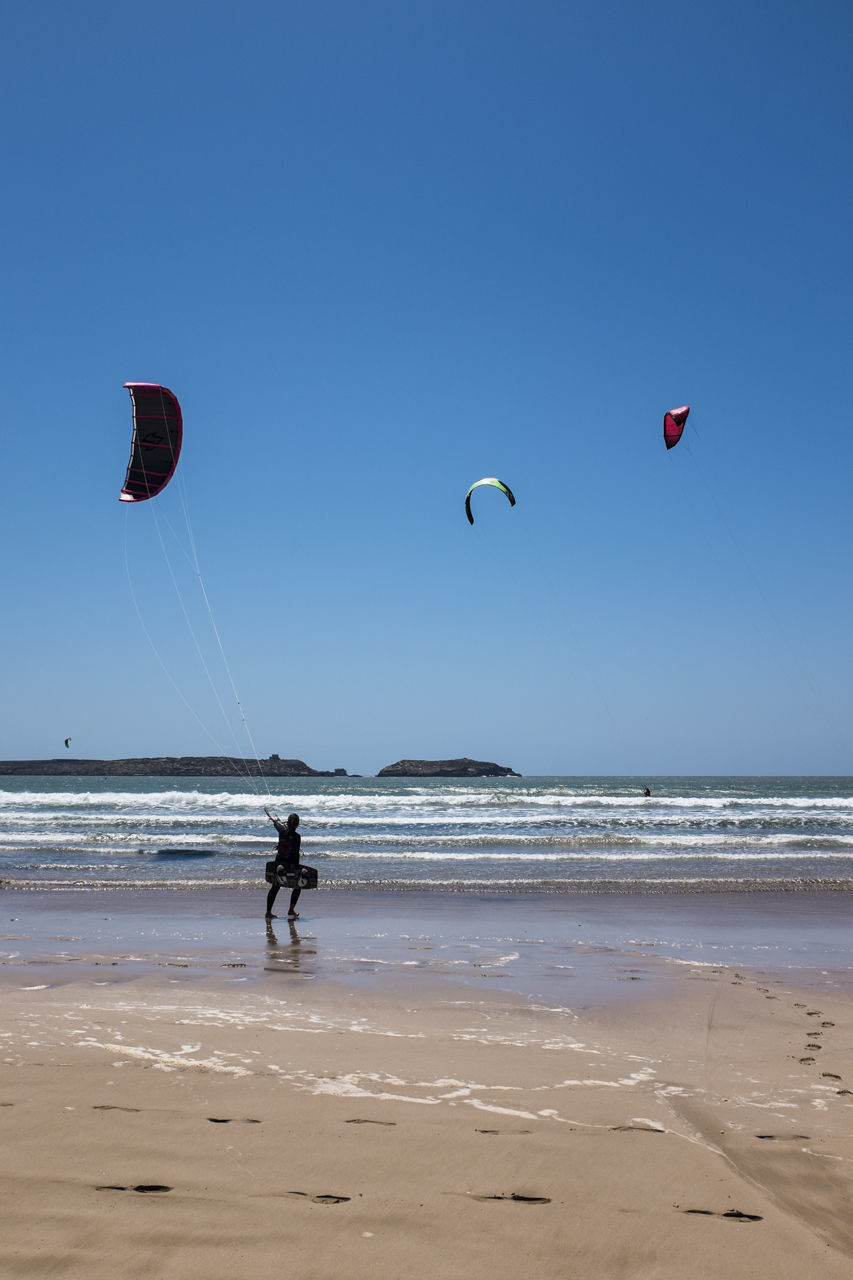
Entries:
{"x":169,"y":767}
{"x":463,"y":768}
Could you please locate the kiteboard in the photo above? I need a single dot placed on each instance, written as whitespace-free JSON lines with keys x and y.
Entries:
{"x":299,"y":878}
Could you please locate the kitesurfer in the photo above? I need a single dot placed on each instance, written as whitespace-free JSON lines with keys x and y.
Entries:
{"x":287,"y":855}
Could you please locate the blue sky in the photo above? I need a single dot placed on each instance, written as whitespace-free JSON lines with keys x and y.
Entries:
{"x":380,"y":250}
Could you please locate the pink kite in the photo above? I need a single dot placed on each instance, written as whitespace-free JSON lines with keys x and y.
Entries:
{"x":673,"y":425}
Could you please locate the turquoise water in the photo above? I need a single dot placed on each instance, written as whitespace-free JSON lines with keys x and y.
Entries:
{"x":508,"y":834}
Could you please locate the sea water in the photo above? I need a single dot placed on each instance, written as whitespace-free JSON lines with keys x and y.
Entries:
{"x":534,"y":835}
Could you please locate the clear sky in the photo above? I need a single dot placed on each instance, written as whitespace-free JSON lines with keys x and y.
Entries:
{"x":380,"y":250}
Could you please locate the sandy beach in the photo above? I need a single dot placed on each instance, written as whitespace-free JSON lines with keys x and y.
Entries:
{"x":404,"y":1089}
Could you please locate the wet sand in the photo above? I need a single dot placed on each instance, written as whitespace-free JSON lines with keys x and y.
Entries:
{"x":554,"y":947}
{"x":477,"y":1088}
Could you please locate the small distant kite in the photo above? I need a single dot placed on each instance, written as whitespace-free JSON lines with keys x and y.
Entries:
{"x":156,"y":444}
{"x":498,"y":484}
{"x":67,"y":742}
{"x":673,"y":425}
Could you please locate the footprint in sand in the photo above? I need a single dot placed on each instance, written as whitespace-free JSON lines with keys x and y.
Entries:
{"x":814,"y":1046}
{"x":144,"y":1187}
{"x":390,"y":1123}
{"x":734,"y":1214}
{"x":783,"y":1137}
{"x":505,"y":1132}
{"x":106,"y":1106}
{"x":320,"y":1199}
{"x":829,"y":1075}
{"x":806,"y":1061}
{"x":827,"y":1024}
{"x":513,"y":1196}
{"x":231,"y":1120}
{"x":635,"y":1128}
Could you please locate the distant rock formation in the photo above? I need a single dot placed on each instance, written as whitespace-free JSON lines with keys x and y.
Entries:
{"x":463,"y":768}
{"x":170,"y":767}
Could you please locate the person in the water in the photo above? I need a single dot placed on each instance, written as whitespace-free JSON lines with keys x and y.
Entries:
{"x":287,"y":855}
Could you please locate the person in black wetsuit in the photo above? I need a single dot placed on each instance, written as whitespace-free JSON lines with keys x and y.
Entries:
{"x":287,"y":854}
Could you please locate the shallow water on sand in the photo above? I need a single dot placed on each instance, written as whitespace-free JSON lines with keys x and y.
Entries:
{"x":564,"y":950}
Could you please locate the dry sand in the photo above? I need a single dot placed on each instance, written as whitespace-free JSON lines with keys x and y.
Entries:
{"x":170,"y":1123}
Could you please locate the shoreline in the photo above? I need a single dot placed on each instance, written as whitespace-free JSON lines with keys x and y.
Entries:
{"x":695,"y":887}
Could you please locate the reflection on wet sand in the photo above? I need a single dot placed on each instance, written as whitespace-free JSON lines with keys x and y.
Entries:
{"x":290,"y":954}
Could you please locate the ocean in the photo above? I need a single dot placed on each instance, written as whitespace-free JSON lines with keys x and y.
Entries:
{"x":506,"y":835}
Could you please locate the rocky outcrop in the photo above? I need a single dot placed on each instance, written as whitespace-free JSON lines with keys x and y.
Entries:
{"x":463,"y":768}
{"x":169,"y":767}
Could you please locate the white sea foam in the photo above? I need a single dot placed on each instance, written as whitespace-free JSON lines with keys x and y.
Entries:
{"x":431,"y":833}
